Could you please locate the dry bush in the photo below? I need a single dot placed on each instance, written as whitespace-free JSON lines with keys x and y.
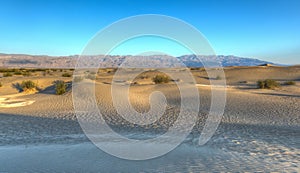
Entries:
{"x":268,"y":84}
{"x":7,"y":74}
{"x":28,"y":85}
{"x":60,"y":87}
{"x":161,"y":79}
{"x":290,"y":83}
{"x":66,"y":75}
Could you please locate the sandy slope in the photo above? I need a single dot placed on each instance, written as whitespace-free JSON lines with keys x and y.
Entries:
{"x":260,"y":127}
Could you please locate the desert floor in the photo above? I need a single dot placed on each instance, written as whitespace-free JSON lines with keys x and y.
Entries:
{"x":259,"y":131}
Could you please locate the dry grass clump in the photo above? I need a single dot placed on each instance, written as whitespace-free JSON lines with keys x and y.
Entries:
{"x":161,"y":79}
{"x":268,"y":84}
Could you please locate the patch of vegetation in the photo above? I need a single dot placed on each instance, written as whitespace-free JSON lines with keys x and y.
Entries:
{"x":161,"y":79}
{"x":66,"y":75}
{"x":28,"y":85}
{"x":60,"y":87}
{"x":90,"y":76}
{"x":218,"y":77}
{"x":17,"y":73}
{"x":77,"y":79}
{"x":7,"y":74}
{"x":197,"y":68}
{"x":268,"y":84}
{"x":1,"y":84}
{"x":143,"y":76}
{"x":290,"y":83}
{"x":26,"y":73}
{"x":243,"y":82}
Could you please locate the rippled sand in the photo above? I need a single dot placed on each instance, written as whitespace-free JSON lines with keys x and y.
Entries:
{"x":260,"y":131}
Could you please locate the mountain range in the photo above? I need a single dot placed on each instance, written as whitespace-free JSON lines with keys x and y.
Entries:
{"x":43,"y":61}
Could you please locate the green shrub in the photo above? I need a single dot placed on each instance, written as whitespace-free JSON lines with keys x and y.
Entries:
{"x":218,"y":78}
{"x":268,"y":84}
{"x":60,"y":87}
{"x":17,"y":73}
{"x":77,"y":79}
{"x":161,"y":79}
{"x":28,"y":85}
{"x":66,"y":75}
{"x":26,"y":73}
{"x":90,"y":76}
{"x":289,"y":83}
{"x":7,"y":74}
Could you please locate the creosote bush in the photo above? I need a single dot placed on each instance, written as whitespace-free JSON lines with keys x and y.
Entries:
{"x":60,"y":87}
{"x":161,"y":79}
{"x":17,"y":73}
{"x":28,"y":85}
{"x":289,"y":83}
{"x":268,"y":84}
{"x":66,"y":75}
{"x":26,"y":73}
{"x":218,"y":78}
{"x":78,"y":79}
{"x":8,"y":74}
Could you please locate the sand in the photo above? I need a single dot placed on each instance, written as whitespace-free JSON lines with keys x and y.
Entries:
{"x":260,"y":129}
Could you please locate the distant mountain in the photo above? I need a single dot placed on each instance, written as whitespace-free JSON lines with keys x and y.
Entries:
{"x":192,"y":61}
{"x":43,"y":61}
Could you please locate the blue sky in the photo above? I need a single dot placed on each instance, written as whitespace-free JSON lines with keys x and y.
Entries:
{"x":268,"y":30}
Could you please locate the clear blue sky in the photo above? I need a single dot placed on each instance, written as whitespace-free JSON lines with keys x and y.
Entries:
{"x":268,"y":30}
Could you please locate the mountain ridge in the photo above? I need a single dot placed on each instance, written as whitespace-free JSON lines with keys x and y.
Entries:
{"x":40,"y":61}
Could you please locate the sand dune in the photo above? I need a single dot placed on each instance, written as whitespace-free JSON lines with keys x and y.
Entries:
{"x":258,"y":125}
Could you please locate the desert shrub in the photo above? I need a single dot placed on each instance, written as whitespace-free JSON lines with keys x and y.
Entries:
{"x":1,"y":84}
{"x":7,"y":74}
{"x":243,"y":82}
{"x":218,"y":78}
{"x":60,"y":87}
{"x":197,"y":68}
{"x":77,"y":79}
{"x":17,"y":73}
{"x":289,"y":83}
{"x":90,"y":76}
{"x":26,"y":73}
{"x":66,"y":75}
{"x":161,"y":79}
{"x":28,"y":85}
{"x":267,"y":84}
{"x":144,"y":77}
{"x":194,"y":68}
